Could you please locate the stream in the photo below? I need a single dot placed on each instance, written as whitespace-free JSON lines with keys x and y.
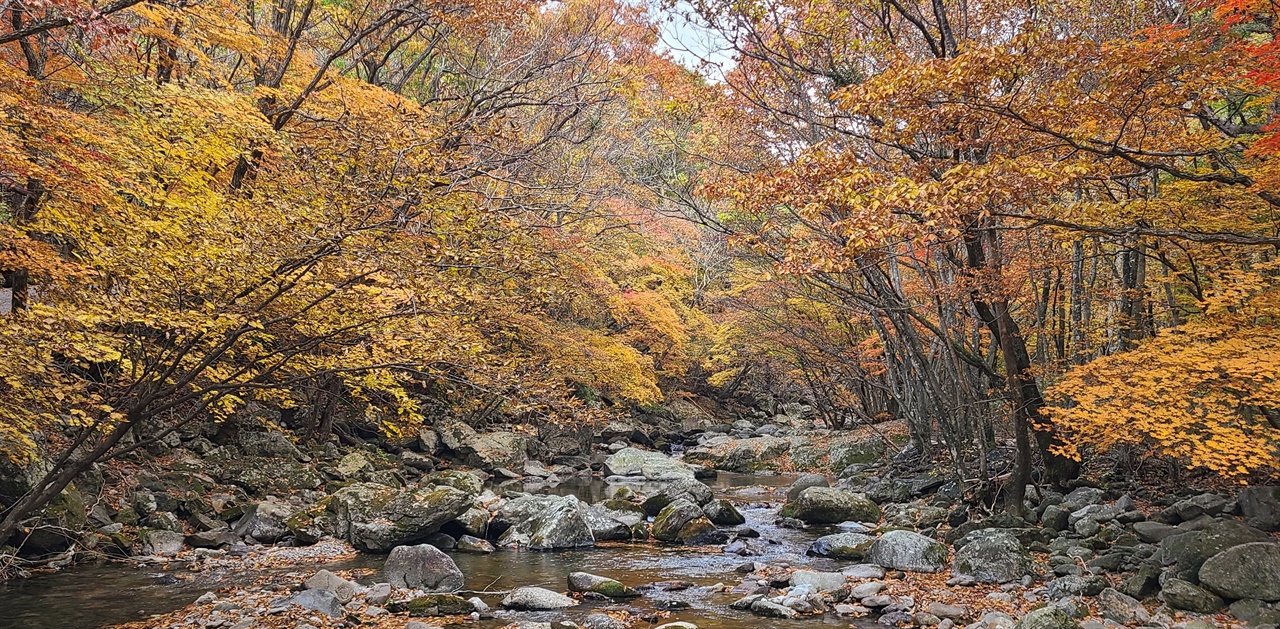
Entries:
{"x":95,"y":596}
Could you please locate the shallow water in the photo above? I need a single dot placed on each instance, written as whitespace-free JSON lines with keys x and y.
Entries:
{"x":91,"y":597}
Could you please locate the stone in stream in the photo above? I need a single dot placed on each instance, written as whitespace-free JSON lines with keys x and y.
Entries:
{"x":682,"y":521}
{"x":587,"y":582}
{"x":469,"y":544}
{"x":536,"y":599}
{"x":842,"y":546}
{"x":766,"y":607}
{"x":1247,"y":571}
{"x":603,"y":526}
{"x":826,"y":505}
{"x":434,"y":605}
{"x":423,"y":567}
{"x":908,"y":551}
{"x":543,"y":523}
{"x":682,"y":489}
{"x":805,"y":482}
{"x":651,"y":465}
{"x":723,"y":513}
{"x":991,"y":556}
{"x":602,"y":621}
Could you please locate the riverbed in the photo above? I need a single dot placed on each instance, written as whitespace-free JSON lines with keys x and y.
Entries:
{"x":96,"y":596}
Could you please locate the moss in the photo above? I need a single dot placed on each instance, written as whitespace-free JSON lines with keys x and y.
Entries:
{"x":434,"y":605}
{"x":614,"y":589}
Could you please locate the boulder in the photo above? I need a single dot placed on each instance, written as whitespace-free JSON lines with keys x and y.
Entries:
{"x":1154,"y":532}
{"x":377,"y":518}
{"x":587,"y":582}
{"x":817,"y":581}
{"x":605,"y":527}
{"x":265,"y":521}
{"x":1082,"y":497}
{"x":536,"y":599}
{"x":991,"y":556}
{"x":1260,"y":506}
{"x":1188,"y":551}
{"x":739,"y":455}
{"x":1072,"y":585}
{"x":474,"y":545}
{"x":1121,"y":608}
{"x":341,"y":588}
{"x":1187,"y":596}
{"x":723,"y":513}
{"x":493,"y":450}
{"x":1048,"y":617}
{"x":684,"y":488}
{"x":543,"y":523}
{"x":842,"y":546}
{"x":682,"y":521}
{"x":1245,"y":571}
{"x":422,"y":567}
{"x":826,"y":505}
{"x":905,"y":550}
{"x":805,"y":482}
{"x":651,"y":465}
{"x":322,"y":601}
{"x":161,"y":542}
{"x":466,"y":482}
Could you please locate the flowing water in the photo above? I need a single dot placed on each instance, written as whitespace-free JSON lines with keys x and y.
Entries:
{"x":91,"y":597}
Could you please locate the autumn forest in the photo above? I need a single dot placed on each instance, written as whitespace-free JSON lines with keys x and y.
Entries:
{"x":1025,"y":247}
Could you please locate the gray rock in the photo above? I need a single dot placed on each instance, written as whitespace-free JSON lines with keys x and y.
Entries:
{"x":536,"y":599}
{"x":1196,"y":506}
{"x":161,"y":542}
{"x":1121,"y":608}
{"x":1055,"y":518}
{"x":864,"y":590}
{"x":819,"y":581}
{"x":604,"y":527}
{"x":544,"y":523}
{"x":723,"y":513}
{"x":1072,"y":585}
{"x":322,"y":601}
{"x":942,"y":610}
{"x":377,"y":518}
{"x":650,"y":465}
{"x":991,"y":556}
{"x":1082,"y":497}
{"x":378,"y":594}
{"x":1260,"y":506}
{"x":805,"y":482}
{"x":680,"y":489}
{"x":1154,"y":532}
{"x":826,"y":505}
{"x":602,"y":621}
{"x":863,"y":571}
{"x":765,"y":607}
{"x":905,"y":550}
{"x":1187,"y":596}
{"x":1143,"y":583}
{"x":423,"y":567}
{"x":842,"y":546}
{"x":1190,"y":550}
{"x":341,"y":588}
{"x":587,"y":582}
{"x":1049,"y":617}
{"x":474,"y":545}
{"x":682,"y":521}
{"x":1245,"y":571}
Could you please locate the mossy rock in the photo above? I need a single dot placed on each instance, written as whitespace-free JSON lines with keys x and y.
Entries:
{"x":434,"y":605}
